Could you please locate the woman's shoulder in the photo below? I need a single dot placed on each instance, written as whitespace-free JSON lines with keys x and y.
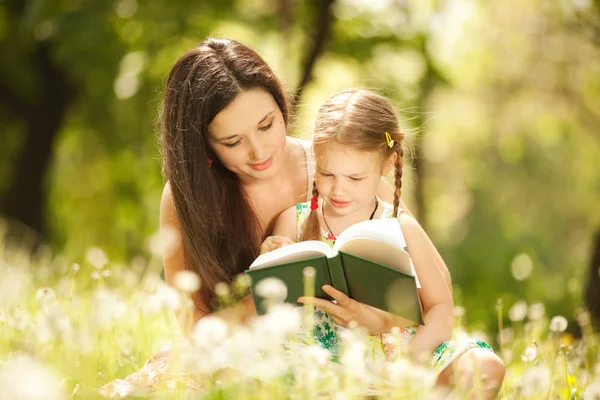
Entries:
{"x":168,"y":213}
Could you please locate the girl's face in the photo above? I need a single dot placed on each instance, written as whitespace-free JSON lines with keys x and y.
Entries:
{"x":348,"y":179}
{"x":249,"y":135}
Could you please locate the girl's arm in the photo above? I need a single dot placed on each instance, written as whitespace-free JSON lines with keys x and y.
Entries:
{"x":174,"y":261}
{"x":386,"y":193}
{"x":435,"y":295}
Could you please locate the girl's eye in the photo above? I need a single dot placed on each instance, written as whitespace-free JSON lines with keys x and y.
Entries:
{"x":234,"y":144}
{"x":356,"y":179}
{"x":266,"y":128}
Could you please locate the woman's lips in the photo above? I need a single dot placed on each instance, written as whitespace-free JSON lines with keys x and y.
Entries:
{"x":261,"y":166}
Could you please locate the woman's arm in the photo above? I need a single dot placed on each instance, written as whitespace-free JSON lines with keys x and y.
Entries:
{"x":174,"y":262}
{"x":386,"y":193}
{"x":436,"y":297}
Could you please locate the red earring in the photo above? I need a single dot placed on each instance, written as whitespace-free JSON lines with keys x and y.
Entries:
{"x":211,"y":159}
{"x":314,"y":203}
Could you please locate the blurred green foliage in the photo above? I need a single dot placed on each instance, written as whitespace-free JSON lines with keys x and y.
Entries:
{"x":501,"y":99}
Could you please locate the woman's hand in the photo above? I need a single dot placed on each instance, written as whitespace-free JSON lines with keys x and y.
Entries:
{"x":344,"y":309}
{"x":274,"y":242}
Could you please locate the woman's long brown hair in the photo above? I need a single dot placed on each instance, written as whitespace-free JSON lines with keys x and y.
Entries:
{"x":220,"y":231}
{"x":359,"y":119}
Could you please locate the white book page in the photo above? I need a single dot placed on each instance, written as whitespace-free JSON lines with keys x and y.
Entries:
{"x":379,"y":252}
{"x":378,"y":240}
{"x":385,"y":230}
{"x":293,"y":252}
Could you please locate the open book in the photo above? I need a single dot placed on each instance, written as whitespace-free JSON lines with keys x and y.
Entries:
{"x":369,"y":263}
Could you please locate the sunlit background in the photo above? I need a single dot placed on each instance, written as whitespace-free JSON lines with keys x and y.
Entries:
{"x":500,"y":100}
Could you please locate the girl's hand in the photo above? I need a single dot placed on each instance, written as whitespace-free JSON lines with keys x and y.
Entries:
{"x":344,"y":309}
{"x":274,"y":242}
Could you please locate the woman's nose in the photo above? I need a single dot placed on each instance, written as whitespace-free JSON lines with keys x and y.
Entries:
{"x":256,"y":150}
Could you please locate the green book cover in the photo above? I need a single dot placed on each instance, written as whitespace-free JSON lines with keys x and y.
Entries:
{"x":369,"y":263}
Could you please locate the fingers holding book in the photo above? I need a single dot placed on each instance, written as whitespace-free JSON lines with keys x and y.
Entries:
{"x":274,"y":242}
{"x":344,"y":310}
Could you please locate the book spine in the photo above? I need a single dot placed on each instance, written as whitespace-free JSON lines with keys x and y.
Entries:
{"x":336,"y":272}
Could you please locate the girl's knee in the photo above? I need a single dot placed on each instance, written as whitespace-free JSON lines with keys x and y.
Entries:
{"x":491,"y":365}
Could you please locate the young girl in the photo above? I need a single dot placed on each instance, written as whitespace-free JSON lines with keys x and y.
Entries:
{"x":356,"y":141}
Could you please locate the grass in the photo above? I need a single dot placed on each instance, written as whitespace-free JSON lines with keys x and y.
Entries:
{"x":67,"y":329}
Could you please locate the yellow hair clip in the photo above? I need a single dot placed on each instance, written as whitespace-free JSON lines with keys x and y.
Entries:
{"x":389,"y":140}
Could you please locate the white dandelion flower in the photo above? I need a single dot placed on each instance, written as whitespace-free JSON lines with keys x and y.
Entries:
{"x":222,"y":290}
{"x":518,"y":311}
{"x":318,"y":355}
{"x":26,"y":379}
{"x":558,"y":324}
{"x":166,"y":298}
{"x":45,"y":295}
{"x":164,"y":242}
{"x":272,"y":288}
{"x":14,"y":281}
{"x":210,"y":332}
{"x":534,"y":381}
{"x":281,"y":320}
{"x":536,"y":311}
{"x":96,"y":257}
{"x":107,"y":308}
{"x":592,"y":392}
{"x":187,"y":281}
{"x":459,"y":311}
{"x":529,"y":354}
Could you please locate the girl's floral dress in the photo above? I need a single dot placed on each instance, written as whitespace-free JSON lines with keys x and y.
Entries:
{"x":381,"y":347}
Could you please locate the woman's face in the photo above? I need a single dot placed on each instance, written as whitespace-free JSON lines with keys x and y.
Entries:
{"x":249,"y":135}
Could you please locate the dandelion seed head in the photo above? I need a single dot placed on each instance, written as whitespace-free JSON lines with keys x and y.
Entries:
{"x":536,"y":311}
{"x":187,"y":281}
{"x":166,"y":298}
{"x":209,"y":332}
{"x":558,"y":324}
{"x":165,"y":242}
{"x":26,"y":379}
{"x":14,"y":281}
{"x":459,"y":311}
{"x":518,"y":311}
{"x":282,"y":319}
{"x":583,"y":317}
{"x":505,"y":335}
{"x":318,"y":355}
{"x":272,"y":288}
{"x":521,"y":267}
{"x":96,"y":257}
{"x":529,"y":354}
{"x":592,"y":392}
{"x":45,"y":294}
{"x":107,"y":308}
{"x":222,"y":290}
{"x":534,"y":381}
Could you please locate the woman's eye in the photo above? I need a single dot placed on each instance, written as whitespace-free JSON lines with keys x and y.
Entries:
{"x":326,"y":175}
{"x":267,"y":127}
{"x":233,"y":144}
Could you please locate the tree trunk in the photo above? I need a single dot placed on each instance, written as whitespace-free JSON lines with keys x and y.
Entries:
{"x":322,"y":30}
{"x":25,"y":199}
{"x":592,"y":292}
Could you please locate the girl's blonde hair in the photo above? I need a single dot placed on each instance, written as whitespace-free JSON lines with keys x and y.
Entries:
{"x":359,"y":119}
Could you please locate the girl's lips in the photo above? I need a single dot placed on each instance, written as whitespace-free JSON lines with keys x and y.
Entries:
{"x":262,"y":166}
{"x":339,"y":204}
